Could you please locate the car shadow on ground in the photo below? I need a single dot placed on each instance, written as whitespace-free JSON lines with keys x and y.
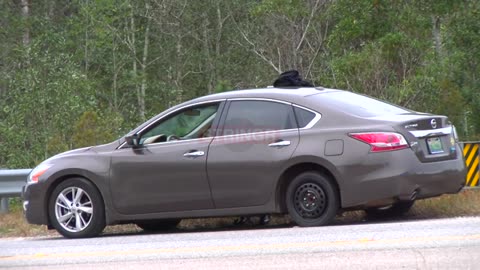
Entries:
{"x":198,"y":226}
{"x":228,"y":224}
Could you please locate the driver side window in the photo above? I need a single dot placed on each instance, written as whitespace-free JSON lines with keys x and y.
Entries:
{"x":189,"y":123}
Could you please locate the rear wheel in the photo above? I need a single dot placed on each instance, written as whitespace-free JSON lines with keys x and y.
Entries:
{"x":312,"y":199}
{"x":158,"y":225}
{"x":397,"y":209}
{"x":76,"y":209}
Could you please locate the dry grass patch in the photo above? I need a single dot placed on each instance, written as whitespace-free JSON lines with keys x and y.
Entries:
{"x":13,"y":224}
{"x":466,"y":203}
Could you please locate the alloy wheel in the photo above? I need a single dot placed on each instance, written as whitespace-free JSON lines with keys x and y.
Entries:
{"x":73,"y":209}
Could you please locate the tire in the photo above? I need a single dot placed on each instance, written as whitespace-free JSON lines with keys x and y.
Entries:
{"x":84,"y":219}
{"x":312,"y":199}
{"x":158,"y":225}
{"x":395,"y":210}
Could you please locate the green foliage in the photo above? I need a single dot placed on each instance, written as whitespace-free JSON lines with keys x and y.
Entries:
{"x":91,"y":129}
{"x":223,"y":86}
{"x":44,"y":97}
{"x":88,"y":66}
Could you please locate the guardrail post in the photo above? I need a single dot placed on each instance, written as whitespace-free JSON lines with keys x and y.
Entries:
{"x":472,"y":160}
{"x":3,"y":205}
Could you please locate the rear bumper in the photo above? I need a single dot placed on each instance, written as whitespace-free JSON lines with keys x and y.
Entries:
{"x":393,"y":176}
{"x":34,"y":207}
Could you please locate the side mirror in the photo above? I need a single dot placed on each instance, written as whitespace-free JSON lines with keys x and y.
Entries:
{"x":132,"y":140}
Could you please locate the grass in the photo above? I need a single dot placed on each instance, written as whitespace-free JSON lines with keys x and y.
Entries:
{"x":465,"y":203}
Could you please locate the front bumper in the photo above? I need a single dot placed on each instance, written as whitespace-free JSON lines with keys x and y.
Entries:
{"x":34,"y":204}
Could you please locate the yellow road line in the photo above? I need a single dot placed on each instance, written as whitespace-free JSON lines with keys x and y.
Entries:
{"x":157,"y":251}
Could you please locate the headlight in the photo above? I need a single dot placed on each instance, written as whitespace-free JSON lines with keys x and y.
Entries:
{"x":37,"y":172}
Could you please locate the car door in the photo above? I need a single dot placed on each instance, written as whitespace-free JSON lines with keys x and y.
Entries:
{"x":168,"y":171}
{"x":246,"y":158}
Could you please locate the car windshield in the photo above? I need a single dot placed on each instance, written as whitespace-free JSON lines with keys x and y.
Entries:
{"x":360,"y":105}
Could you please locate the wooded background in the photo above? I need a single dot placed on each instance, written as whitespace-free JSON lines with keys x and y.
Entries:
{"x":81,"y":72}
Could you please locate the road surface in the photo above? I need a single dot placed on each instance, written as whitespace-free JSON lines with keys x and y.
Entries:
{"x":428,"y":244}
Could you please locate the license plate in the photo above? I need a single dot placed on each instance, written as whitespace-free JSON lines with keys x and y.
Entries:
{"x":435,"y":145}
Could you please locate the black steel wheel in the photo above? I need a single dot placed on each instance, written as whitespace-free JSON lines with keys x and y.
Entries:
{"x":76,"y":209}
{"x":312,"y":199}
{"x":158,"y":225}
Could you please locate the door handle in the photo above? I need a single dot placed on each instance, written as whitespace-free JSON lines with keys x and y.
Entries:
{"x":280,"y":144}
{"x":194,"y":154}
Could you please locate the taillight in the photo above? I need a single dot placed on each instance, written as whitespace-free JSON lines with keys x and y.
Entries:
{"x":455,"y":134}
{"x":382,"y":141}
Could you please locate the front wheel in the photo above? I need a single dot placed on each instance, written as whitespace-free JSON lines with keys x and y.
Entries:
{"x":312,"y":199}
{"x":76,"y":209}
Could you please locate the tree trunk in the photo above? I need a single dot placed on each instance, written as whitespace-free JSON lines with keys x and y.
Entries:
{"x":141,"y":100}
{"x":134,"y":64}
{"x":208,"y":58}
{"x":86,"y":49}
{"x":220,"y":22}
{"x":51,"y":9}
{"x":115,"y":76}
{"x":437,"y":36}
{"x":25,"y":4}
{"x":178,"y":72}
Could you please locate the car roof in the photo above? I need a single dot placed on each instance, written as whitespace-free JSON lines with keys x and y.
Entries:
{"x":292,"y":95}
{"x":283,"y":94}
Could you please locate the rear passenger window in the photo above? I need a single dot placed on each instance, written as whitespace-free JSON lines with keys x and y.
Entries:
{"x":257,"y":116}
{"x":303,"y":117}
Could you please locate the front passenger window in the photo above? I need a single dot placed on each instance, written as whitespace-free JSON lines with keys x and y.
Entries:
{"x":190,"y":123}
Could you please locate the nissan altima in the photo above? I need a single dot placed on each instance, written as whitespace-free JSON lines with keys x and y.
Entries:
{"x":306,"y":152}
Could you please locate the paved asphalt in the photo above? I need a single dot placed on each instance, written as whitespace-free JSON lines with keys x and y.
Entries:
{"x":429,"y":244}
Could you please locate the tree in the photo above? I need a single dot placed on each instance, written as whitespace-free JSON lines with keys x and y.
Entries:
{"x":83,"y":72}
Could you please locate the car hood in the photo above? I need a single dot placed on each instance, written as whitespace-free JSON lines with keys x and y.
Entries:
{"x":105,"y":147}
{"x":69,"y":153}
{"x":92,"y":149}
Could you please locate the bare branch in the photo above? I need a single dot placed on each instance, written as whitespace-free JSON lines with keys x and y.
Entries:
{"x":312,"y":13}
{"x":190,"y":72}
{"x":312,"y":62}
{"x":254,"y":48}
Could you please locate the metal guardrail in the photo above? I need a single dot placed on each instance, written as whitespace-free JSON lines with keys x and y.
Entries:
{"x":11,"y":183}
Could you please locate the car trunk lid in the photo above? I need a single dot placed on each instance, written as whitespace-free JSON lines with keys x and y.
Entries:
{"x":431,"y":137}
